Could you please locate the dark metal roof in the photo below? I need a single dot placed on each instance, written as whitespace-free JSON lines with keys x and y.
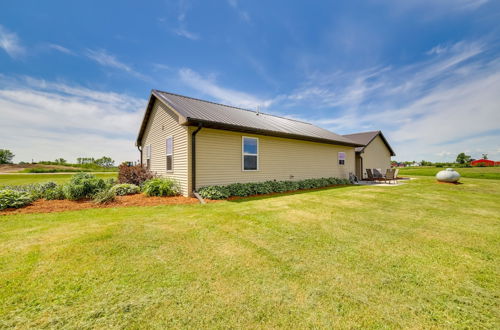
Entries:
{"x":365,"y":138}
{"x":220,"y":116}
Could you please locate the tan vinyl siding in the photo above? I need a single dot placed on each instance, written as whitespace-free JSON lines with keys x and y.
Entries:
{"x":219,"y":159}
{"x":164,"y":123}
{"x":376,"y":155}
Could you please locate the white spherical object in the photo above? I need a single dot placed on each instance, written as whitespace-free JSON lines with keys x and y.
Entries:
{"x":449,"y":175}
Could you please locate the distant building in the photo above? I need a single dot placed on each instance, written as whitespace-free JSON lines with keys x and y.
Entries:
{"x":484,"y":162}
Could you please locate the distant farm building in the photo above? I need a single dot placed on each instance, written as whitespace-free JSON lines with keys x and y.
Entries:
{"x":484,"y":162}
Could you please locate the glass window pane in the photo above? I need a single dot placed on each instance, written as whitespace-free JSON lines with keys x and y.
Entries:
{"x":169,"y":163}
{"x":250,"y":162}
{"x":250,"y":146}
{"x":169,"y":146}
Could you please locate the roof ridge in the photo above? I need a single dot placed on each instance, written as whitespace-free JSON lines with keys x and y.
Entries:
{"x":231,"y":106}
{"x":377,"y":131}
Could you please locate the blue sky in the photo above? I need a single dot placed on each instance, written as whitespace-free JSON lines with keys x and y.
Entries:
{"x":75,"y":76}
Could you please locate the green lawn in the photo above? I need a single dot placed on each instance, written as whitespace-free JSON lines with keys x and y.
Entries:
{"x":18,"y":179}
{"x":467,"y":172}
{"x":421,"y":255}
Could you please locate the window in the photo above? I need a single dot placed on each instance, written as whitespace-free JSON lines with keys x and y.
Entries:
{"x":341,"y":158}
{"x":250,"y":154}
{"x":170,"y":154}
{"x":148,"y":156}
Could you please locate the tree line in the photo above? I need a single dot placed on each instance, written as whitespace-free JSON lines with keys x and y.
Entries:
{"x":7,"y":157}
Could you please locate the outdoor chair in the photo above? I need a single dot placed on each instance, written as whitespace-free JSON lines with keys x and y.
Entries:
{"x":396,"y":172}
{"x":377,"y":174}
{"x":370,"y":175}
{"x":389,"y":175}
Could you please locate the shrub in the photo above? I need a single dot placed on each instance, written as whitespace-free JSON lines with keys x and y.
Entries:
{"x":267,"y":187}
{"x":125,"y":189}
{"x":35,"y":190}
{"x":83,"y":185}
{"x":161,"y":187}
{"x":104,"y":196}
{"x":134,"y":174}
{"x":53,"y":193}
{"x":13,"y":198}
{"x":214,"y":192}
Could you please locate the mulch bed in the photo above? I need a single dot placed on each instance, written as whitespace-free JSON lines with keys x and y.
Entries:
{"x":45,"y":206}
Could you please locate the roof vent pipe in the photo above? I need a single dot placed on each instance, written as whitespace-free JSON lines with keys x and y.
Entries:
{"x":258,"y":110}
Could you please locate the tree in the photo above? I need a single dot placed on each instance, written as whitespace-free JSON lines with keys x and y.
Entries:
{"x":462,"y":158}
{"x":6,"y":156}
{"x":105,"y":162}
{"x":485,"y":156}
{"x":61,"y":161}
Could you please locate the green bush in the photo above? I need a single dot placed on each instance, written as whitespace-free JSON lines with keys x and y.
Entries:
{"x":13,"y":198}
{"x":104,"y":196}
{"x":161,"y":187}
{"x":214,"y":192}
{"x":54,"y":193}
{"x":83,"y":185}
{"x":267,"y":187}
{"x":35,"y":190}
{"x":125,"y":189}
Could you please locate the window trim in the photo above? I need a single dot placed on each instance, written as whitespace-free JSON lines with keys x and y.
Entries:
{"x":172,"y":154}
{"x":243,"y":154}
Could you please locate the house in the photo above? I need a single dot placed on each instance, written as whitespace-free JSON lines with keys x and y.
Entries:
{"x":201,"y":143}
{"x":375,"y":152}
{"x":483,"y":162}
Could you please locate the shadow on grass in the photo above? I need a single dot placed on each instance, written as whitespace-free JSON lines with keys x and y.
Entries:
{"x":288,"y":193}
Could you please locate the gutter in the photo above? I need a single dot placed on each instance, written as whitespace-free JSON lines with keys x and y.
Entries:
{"x":193,"y":163}
{"x":245,"y":129}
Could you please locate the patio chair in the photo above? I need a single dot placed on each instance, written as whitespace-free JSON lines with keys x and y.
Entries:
{"x":377,"y":173}
{"x":370,"y":175}
{"x":396,"y":172}
{"x":389,"y":175}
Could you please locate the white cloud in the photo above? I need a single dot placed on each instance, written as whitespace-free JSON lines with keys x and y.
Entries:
{"x":242,"y":13}
{"x":434,"y":7}
{"x":61,"y":49}
{"x":433,"y":108}
{"x":182,"y":29}
{"x":103,"y":58}
{"x":46,"y":120}
{"x":183,"y":32}
{"x":10,"y":43}
{"x":208,"y":86}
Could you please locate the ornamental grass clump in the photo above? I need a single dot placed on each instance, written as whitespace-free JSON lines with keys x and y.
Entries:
{"x":104,"y":196}
{"x":123,"y":189}
{"x":161,"y":187}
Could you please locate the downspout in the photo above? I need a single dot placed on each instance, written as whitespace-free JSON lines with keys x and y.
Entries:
{"x":193,"y":162}
{"x":140,"y":151}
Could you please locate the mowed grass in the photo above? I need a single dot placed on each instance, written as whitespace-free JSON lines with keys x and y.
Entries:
{"x":420,"y":255}
{"x":492,"y":173}
{"x":19,"y":179}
